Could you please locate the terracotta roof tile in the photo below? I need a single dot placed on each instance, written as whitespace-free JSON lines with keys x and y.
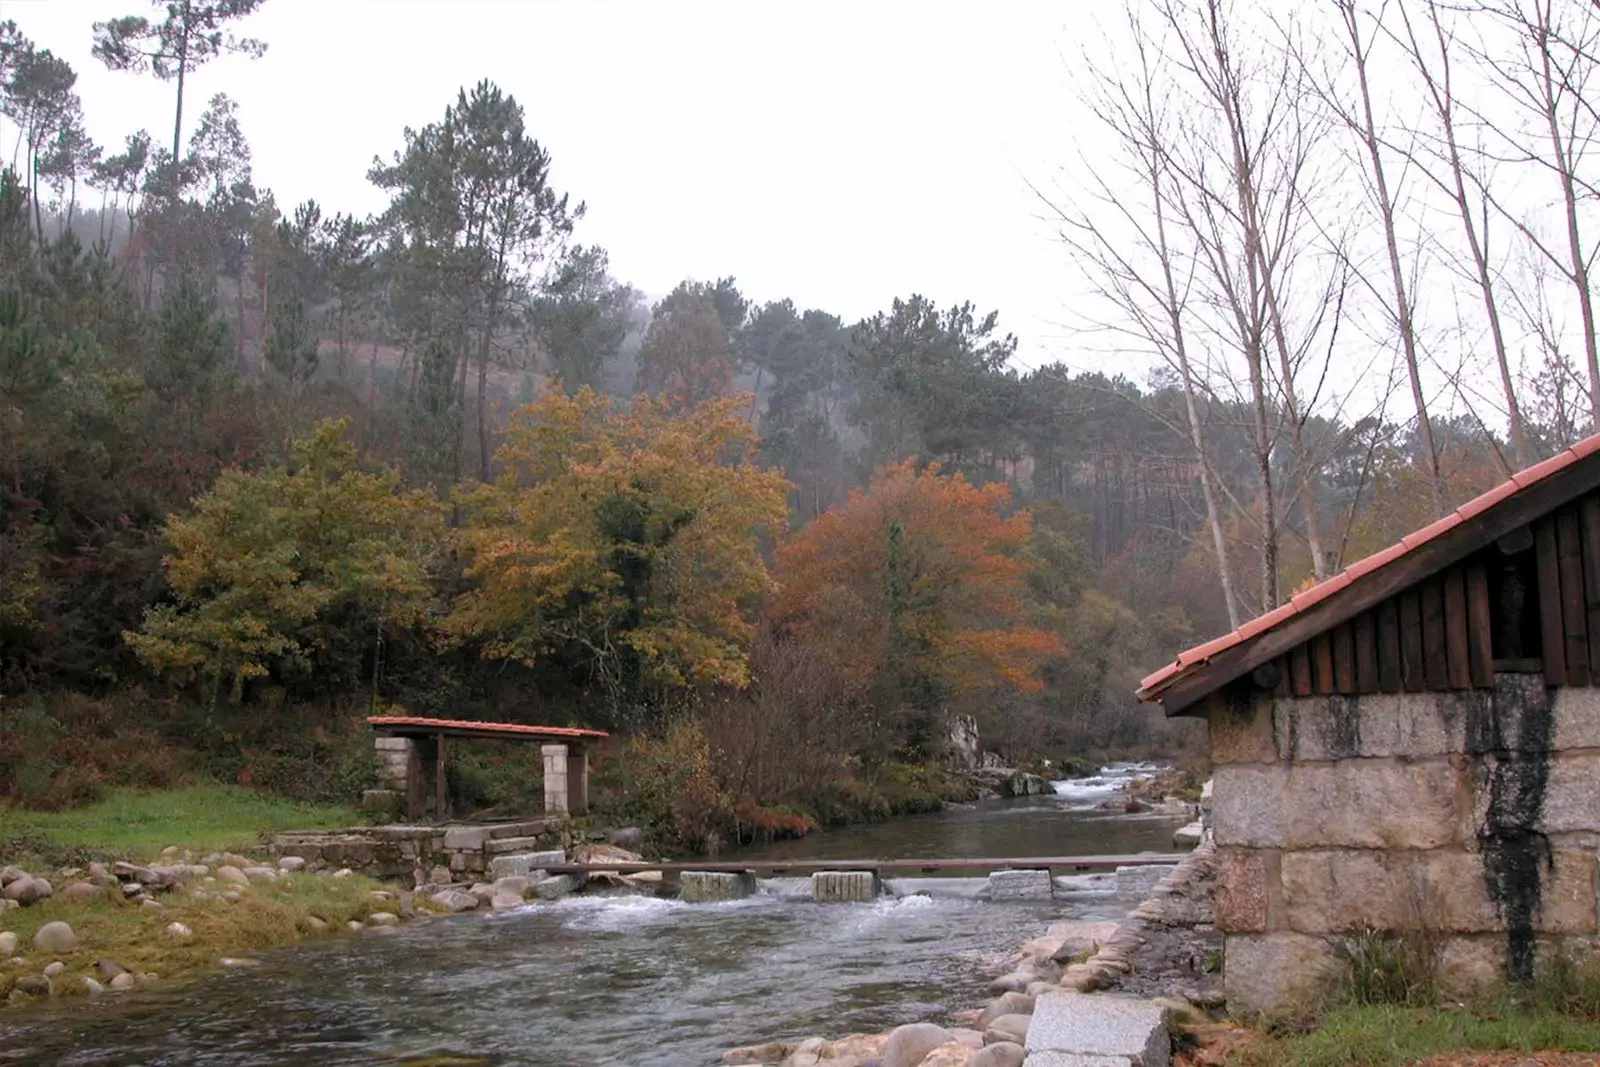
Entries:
{"x":1151,"y":687}
{"x":486,"y":728}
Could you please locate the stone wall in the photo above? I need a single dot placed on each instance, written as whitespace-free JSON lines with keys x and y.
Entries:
{"x":397,"y":851}
{"x":1473,"y":813}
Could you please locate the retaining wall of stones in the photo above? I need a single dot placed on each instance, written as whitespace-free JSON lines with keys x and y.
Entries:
{"x":1475,"y":814}
{"x":397,"y":851}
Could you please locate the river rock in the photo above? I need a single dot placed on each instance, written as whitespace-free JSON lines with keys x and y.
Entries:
{"x":83,"y":891}
{"x":513,"y":885}
{"x":229,"y":873}
{"x":55,"y":937}
{"x":954,"y":1054}
{"x":316,"y":925}
{"x":505,"y":901}
{"x":54,"y":968}
{"x":8,"y":942}
{"x":11,"y":874}
{"x":383,"y":918}
{"x":860,"y":1047}
{"x":151,"y":905}
{"x":24,"y":890}
{"x":7,"y":905}
{"x":261,"y":874}
{"x":123,"y":981}
{"x":35,"y":985}
{"x":1005,"y":1004}
{"x":806,"y":1054}
{"x":109,"y":969}
{"x":1013,"y":1028}
{"x":1074,"y":942}
{"x":179,"y":931}
{"x":232,"y":859}
{"x":770,"y":1052}
{"x":291,"y":864}
{"x":1015,"y":982}
{"x":999,"y":1054}
{"x":628,"y":837}
{"x":555,"y":888}
{"x":91,"y":986}
{"x":455,"y":900}
{"x":910,"y":1043}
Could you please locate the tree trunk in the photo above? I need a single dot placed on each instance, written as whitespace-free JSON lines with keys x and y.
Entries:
{"x":183,"y":68}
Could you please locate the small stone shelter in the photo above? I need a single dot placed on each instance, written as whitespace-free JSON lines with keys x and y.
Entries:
{"x":1414,"y":744}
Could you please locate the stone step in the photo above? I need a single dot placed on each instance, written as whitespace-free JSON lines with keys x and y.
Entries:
{"x":504,"y":845}
{"x":532,"y":828}
{"x":1082,"y":1028}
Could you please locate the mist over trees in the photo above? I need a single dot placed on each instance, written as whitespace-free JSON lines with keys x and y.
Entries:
{"x":266,"y":457}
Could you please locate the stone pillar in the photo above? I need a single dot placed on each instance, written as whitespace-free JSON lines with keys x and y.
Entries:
{"x":849,"y":886}
{"x":394,"y":758}
{"x":557,"y":798}
{"x":577,"y":780}
{"x":702,"y":886}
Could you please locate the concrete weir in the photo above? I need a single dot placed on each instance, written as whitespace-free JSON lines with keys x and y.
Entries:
{"x":701,"y":887}
{"x":845,"y":886}
{"x":1021,"y":885}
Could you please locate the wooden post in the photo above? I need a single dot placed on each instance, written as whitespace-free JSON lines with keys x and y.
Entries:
{"x":441,"y":798}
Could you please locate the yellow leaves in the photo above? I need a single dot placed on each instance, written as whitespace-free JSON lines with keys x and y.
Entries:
{"x":631,"y":531}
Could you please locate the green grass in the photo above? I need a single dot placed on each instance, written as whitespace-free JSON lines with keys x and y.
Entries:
{"x":140,"y":823}
{"x":1380,"y":1036}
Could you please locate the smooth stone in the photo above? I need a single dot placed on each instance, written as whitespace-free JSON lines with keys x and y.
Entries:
{"x":383,"y":918}
{"x":1005,"y":1004}
{"x":909,"y":1044}
{"x":455,"y":900}
{"x":6,"y":905}
{"x":180,"y":931}
{"x":999,"y":1054}
{"x":92,"y":986}
{"x":35,"y":985}
{"x":1013,"y":1028}
{"x":514,"y":885}
{"x":229,"y":873}
{"x":83,"y":891}
{"x":8,"y":942}
{"x":109,"y":969}
{"x":24,"y":890}
{"x":770,"y":1052}
{"x":232,"y":896}
{"x":505,"y":901}
{"x":291,"y":863}
{"x":1015,"y":982}
{"x":122,"y":981}
{"x":261,"y":874}
{"x":354,"y":925}
{"x":53,"y":969}
{"x":555,"y":888}
{"x":316,"y":924}
{"x":343,"y":872}
{"x":233,"y":859}
{"x":11,"y":874}
{"x":55,"y":937}
{"x":151,"y":905}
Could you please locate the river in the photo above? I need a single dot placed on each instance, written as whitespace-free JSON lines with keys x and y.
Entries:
{"x":623,"y":980}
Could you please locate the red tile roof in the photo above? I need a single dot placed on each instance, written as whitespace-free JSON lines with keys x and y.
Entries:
{"x":1153,"y":686}
{"x":414,"y":724}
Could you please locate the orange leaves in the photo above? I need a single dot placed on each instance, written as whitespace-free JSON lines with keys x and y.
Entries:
{"x":630,"y":533}
{"x":920,"y":575}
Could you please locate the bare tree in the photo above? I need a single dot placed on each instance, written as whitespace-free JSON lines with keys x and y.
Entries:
{"x":1448,"y":170}
{"x":1138,"y":274}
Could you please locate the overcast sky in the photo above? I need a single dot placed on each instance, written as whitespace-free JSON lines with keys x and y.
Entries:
{"x":840,"y":154}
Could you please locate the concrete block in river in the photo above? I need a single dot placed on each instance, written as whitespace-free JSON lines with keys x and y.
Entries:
{"x":1099,"y":1029}
{"x":1135,"y":884}
{"x":524,"y":863}
{"x":1021,"y":885}
{"x":835,"y":886}
{"x":698,"y":887}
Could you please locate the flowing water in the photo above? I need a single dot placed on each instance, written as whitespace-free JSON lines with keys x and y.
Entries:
{"x":624,"y":980}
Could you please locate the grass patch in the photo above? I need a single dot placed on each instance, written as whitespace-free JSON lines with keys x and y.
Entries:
{"x":138,"y":824}
{"x":1384,"y":1035}
{"x":135,"y":938}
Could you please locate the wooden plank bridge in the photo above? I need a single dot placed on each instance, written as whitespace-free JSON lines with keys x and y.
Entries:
{"x":968,"y":864}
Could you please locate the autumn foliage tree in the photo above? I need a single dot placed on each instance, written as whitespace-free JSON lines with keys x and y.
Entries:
{"x":623,"y":541}
{"x":917,"y":590}
{"x":688,"y":353}
{"x":273,"y":571}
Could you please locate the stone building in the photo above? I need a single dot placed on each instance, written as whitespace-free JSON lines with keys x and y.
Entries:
{"x":1414,"y":743}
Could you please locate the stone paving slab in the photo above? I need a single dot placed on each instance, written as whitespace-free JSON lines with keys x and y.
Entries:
{"x":1104,"y":1026}
{"x":1072,"y":1059}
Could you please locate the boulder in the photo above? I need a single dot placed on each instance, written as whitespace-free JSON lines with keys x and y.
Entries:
{"x":628,"y":837}
{"x":355,"y":925}
{"x":11,"y":874}
{"x":8,"y":942}
{"x":910,"y":1043}
{"x":291,"y":863}
{"x":383,"y":918}
{"x":1076,"y":941}
{"x":125,"y":980}
{"x":24,"y":890}
{"x":83,"y":891}
{"x":1012,"y":1028}
{"x":806,"y":1054}
{"x":1118,"y":1029}
{"x":34,"y":985}
{"x":152,"y":905}
{"x":316,"y":925}
{"x":55,"y":937}
{"x":514,"y":885}
{"x":229,"y":873}
{"x":771,"y":1052}
{"x":455,"y":900}
{"x":555,"y":888}
{"x":1005,"y":1004}
{"x":999,"y":1054}
{"x":505,"y":901}
{"x":261,"y":874}
{"x":109,"y":969}
{"x":954,"y":1054}
{"x":1015,"y":982}
{"x":91,"y":986}
{"x":53,"y":969}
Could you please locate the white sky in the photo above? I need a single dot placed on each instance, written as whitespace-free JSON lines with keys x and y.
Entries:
{"x":840,"y":154}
